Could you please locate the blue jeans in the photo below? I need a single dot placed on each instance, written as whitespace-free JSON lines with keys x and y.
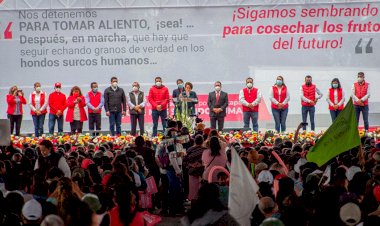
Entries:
{"x":364,"y":110}
{"x":311,"y":111}
{"x":38,"y":121}
{"x":250,"y":115}
{"x":115,"y":120}
{"x":279,"y":116}
{"x":155,"y":115}
{"x":175,"y":192}
{"x":334,"y":114}
{"x":52,"y":119}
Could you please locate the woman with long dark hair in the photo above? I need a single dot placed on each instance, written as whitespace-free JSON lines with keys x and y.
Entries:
{"x":76,"y":113}
{"x":215,"y":155}
{"x":125,"y":212}
{"x":335,"y":98}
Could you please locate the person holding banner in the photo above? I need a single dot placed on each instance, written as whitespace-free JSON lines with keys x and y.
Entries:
{"x":335,"y":98}
{"x":95,"y":102}
{"x":360,"y":95}
{"x":217,"y":102}
{"x":76,"y":114}
{"x":159,"y":99}
{"x":279,"y":97}
{"x":250,"y":98}
{"x":15,"y":100}
{"x":177,"y":93}
{"x":115,"y":104}
{"x":38,"y":109}
{"x":57,"y":105}
{"x":136,"y":104}
{"x":310,"y":95}
{"x":190,"y":97}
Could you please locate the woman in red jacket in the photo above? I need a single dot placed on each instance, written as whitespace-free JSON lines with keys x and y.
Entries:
{"x":15,"y":100}
{"x":76,"y":114}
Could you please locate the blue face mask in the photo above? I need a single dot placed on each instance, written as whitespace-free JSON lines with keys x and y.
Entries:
{"x":180,"y":86}
{"x":278,"y":82}
{"x":334,"y":85}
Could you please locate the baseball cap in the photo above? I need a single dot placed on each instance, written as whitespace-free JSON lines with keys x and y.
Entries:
{"x":93,"y":201}
{"x":57,"y":84}
{"x":350,"y":214}
{"x":32,"y":210}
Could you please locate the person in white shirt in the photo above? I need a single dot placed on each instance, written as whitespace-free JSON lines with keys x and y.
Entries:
{"x":38,"y":108}
{"x":136,"y":104}
{"x":335,"y":98}
{"x":279,"y":97}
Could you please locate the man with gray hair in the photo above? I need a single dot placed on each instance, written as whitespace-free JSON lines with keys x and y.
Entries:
{"x":267,"y":206}
{"x":136,"y":104}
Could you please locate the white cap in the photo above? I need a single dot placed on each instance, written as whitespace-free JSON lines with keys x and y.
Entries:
{"x":32,"y":210}
{"x":350,"y":214}
{"x":265,"y":176}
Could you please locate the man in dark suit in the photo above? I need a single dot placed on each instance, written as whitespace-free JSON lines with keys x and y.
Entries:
{"x":217,"y":102}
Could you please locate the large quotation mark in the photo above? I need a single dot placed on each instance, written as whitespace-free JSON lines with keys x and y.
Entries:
{"x":8,"y":32}
{"x":368,"y":47}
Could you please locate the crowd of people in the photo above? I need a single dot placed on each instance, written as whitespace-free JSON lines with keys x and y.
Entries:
{"x":107,"y":184}
{"x":115,"y":102}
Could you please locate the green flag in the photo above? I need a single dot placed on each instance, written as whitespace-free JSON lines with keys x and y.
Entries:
{"x":341,"y":136}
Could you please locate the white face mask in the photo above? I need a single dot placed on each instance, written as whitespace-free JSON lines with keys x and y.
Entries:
{"x":158,"y":84}
{"x":360,"y":79}
{"x":135,"y":88}
{"x":114,"y":84}
{"x":38,"y":88}
{"x":249,"y":85}
{"x":217,"y":88}
{"x":58,"y":90}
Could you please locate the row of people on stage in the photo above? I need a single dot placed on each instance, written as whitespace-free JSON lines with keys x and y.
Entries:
{"x":115,"y":102}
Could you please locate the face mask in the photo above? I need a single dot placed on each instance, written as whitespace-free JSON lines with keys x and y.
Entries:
{"x":249,"y":85}
{"x":180,"y":86}
{"x":135,"y":88}
{"x":114,"y":84}
{"x":279,"y":82}
{"x":58,"y":90}
{"x":95,"y":89}
{"x":38,"y":89}
{"x":158,"y":84}
{"x":360,"y":79}
{"x":308,"y":83}
{"x":334,"y":85}
{"x":217,"y":88}
{"x":76,"y":94}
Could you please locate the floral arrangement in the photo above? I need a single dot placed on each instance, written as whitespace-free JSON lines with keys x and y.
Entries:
{"x":243,"y":137}
{"x":182,"y":114}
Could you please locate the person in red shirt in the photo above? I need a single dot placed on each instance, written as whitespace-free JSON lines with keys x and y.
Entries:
{"x":360,"y":96}
{"x":95,"y":102}
{"x":159,"y":99}
{"x":335,"y":98}
{"x":310,"y":95}
{"x":250,"y":98}
{"x":38,"y":109}
{"x":57,"y":105}
{"x":15,"y":100}
{"x":279,"y":97}
{"x":76,"y":114}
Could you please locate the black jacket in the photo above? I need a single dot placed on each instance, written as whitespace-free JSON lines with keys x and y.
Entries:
{"x":114,"y":100}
